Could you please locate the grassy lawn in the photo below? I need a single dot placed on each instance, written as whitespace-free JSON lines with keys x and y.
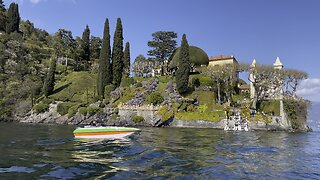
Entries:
{"x":215,"y":116}
{"x":76,"y":87}
{"x":269,"y":107}
{"x":206,"y":98}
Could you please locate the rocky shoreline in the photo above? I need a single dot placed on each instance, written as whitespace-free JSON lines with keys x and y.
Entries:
{"x":112,"y":117}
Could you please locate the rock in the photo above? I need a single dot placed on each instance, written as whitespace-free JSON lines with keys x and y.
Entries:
{"x":51,"y":116}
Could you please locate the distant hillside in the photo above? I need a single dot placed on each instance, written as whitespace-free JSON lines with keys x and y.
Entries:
{"x":314,"y":116}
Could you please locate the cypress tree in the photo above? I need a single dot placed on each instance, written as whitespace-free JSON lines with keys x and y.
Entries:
{"x":2,"y":16}
{"x":104,"y":73}
{"x":117,"y":54}
{"x":182,"y":74}
{"x":49,"y":81}
{"x":13,"y":18}
{"x":126,"y":60}
{"x":86,"y":46}
{"x":2,"y":6}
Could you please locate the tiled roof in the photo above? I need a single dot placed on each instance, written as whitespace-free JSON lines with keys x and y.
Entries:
{"x":220,"y":57}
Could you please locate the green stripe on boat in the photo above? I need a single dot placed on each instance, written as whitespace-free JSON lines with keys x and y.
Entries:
{"x":105,"y":129}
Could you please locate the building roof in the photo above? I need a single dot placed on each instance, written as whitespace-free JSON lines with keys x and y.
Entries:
{"x":221,"y":57}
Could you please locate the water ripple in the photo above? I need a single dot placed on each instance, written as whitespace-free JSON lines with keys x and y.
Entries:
{"x":50,"y":152}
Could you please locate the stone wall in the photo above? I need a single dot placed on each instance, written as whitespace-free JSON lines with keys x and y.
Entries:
{"x":148,"y":112}
{"x":197,"y":124}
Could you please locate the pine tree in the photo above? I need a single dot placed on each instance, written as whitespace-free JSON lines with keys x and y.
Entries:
{"x":104,"y":73}
{"x":182,"y":74}
{"x":117,"y":54}
{"x":126,"y":60}
{"x":13,"y":18}
{"x":85,"y":55}
{"x":2,"y":17}
{"x":50,"y":79}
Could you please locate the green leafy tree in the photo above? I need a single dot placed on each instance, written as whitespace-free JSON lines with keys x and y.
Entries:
{"x":2,"y":16}
{"x":223,"y":77}
{"x":27,"y":28}
{"x":143,"y":67}
{"x":50,"y":79}
{"x":3,"y":59}
{"x":85,"y":55}
{"x":126,"y":60}
{"x":13,"y":18}
{"x":95,"y":47}
{"x":182,"y":74}
{"x":163,"y":43}
{"x":63,"y":43}
{"x":117,"y":54}
{"x":104,"y":73}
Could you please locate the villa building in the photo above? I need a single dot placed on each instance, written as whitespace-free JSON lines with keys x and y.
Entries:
{"x":222,"y":60}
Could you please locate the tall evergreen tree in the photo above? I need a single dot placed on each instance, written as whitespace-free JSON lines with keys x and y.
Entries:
{"x":2,"y":6}
{"x":13,"y":18}
{"x":126,"y":60}
{"x":85,"y":55}
{"x":104,"y":73}
{"x":117,"y":54}
{"x":50,"y":79}
{"x":95,"y":47}
{"x":2,"y":16}
{"x":182,"y":74}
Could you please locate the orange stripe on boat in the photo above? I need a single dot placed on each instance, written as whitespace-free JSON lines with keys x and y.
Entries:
{"x":99,"y":133}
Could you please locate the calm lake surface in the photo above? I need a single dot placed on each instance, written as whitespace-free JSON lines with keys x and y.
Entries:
{"x":50,"y":152}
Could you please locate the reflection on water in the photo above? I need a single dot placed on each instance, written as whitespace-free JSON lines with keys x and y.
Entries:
{"x":47,"y":151}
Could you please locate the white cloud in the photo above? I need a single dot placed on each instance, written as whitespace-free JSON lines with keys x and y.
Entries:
{"x":309,"y":88}
{"x":36,"y":1}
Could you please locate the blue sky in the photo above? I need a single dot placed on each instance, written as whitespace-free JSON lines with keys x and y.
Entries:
{"x":247,"y":29}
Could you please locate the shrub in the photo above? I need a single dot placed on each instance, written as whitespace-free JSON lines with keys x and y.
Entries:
{"x":126,"y":82}
{"x":72,"y":111}
{"x":137,"y":119}
{"x":83,"y":111}
{"x":114,"y":116}
{"x":41,"y":108}
{"x":63,"y":108}
{"x":165,"y":112}
{"x":139,"y":84}
{"x":204,"y":80}
{"x":92,"y":110}
{"x":155,"y":98}
{"x":269,"y":107}
{"x":297,"y":112}
{"x":108,"y":89}
{"x":191,"y":108}
{"x":195,"y":82}
{"x":183,"y":106}
{"x":263,"y":118}
{"x":202,"y":108}
{"x":47,"y":101}
{"x":165,"y":79}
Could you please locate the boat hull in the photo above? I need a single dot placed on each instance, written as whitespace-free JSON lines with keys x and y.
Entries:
{"x":104,"y":132}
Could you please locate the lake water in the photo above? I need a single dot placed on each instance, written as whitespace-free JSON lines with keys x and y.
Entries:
{"x":50,"y":152}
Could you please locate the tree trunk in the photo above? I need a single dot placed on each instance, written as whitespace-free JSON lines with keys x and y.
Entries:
{"x":227,"y":92}
{"x":219,"y":95}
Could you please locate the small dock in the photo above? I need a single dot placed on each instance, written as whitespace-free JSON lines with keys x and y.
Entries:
{"x":236,"y":123}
